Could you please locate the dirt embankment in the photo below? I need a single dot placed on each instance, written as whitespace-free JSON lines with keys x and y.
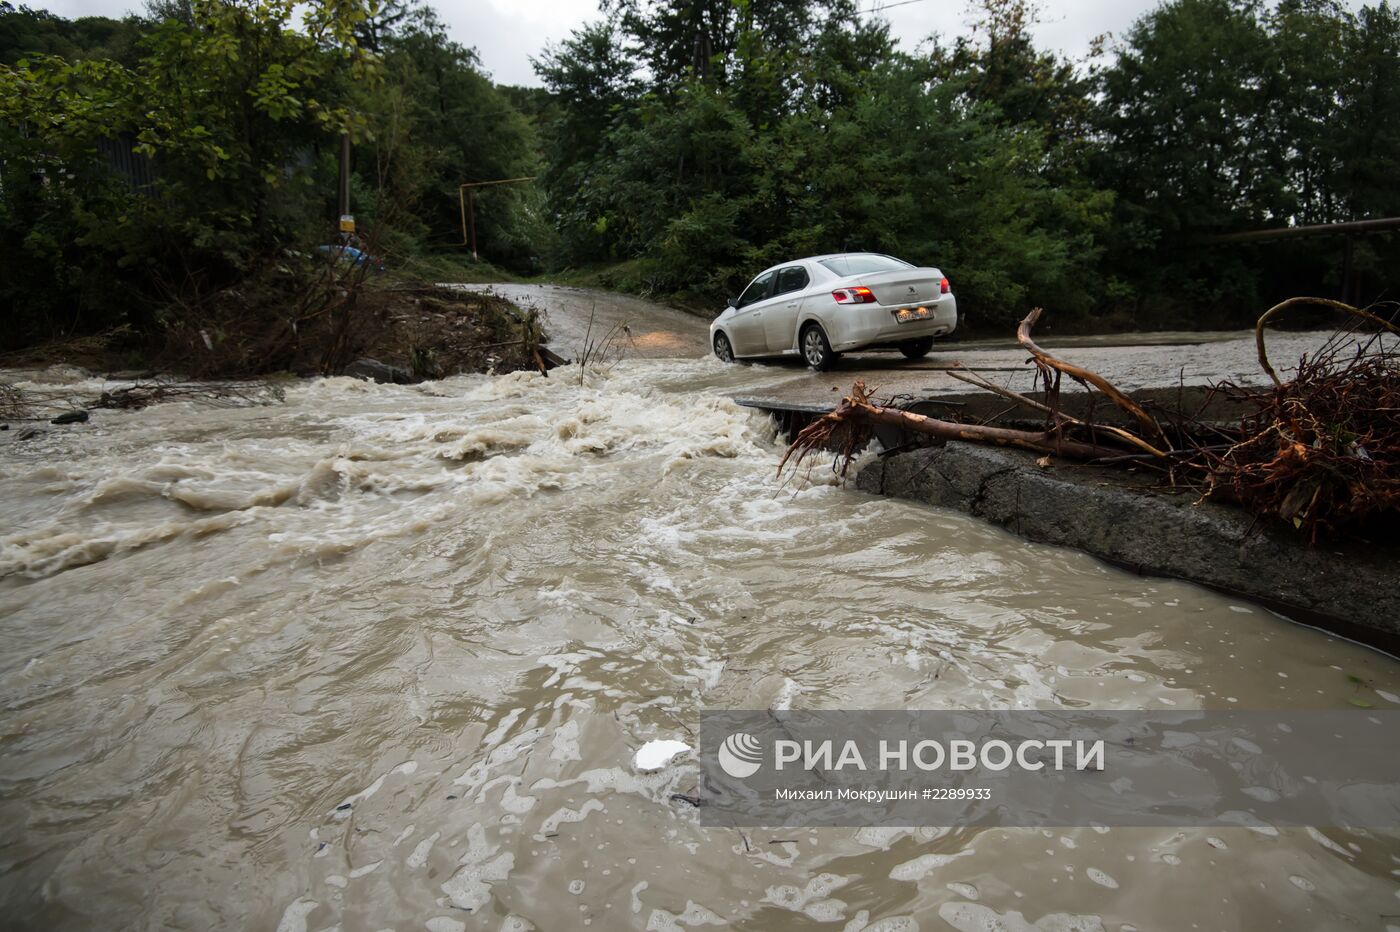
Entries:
{"x":435,"y":332}
{"x":419,"y":331}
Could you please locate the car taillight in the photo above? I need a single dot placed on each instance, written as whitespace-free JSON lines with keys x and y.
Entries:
{"x":944,"y":287}
{"x":857,"y":295}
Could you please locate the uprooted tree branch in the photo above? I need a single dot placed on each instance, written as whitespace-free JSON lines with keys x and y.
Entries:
{"x":1320,"y":452}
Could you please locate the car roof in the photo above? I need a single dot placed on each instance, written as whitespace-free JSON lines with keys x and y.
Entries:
{"x":829,"y":255}
{"x":843,"y":255}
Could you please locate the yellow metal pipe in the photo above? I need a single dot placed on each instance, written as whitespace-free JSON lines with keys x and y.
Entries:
{"x":462,"y":204}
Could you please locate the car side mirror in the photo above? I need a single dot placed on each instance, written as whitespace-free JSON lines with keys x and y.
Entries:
{"x":733,"y":302}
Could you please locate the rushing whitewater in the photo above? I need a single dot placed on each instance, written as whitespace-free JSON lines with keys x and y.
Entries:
{"x":384,"y":657}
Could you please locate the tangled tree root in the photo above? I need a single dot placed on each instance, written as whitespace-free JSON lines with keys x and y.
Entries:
{"x":1320,"y":452}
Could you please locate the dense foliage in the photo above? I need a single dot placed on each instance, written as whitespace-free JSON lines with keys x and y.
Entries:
{"x":710,"y":139}
{"x":686,"y":144}
{"x":197,"y":149}
{"x":216,"y":119}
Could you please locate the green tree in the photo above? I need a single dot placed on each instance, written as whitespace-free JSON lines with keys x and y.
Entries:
{"x":951,"y":185}
{"x":228,"y":107}
{"x":1367,"y":120}
{"x":1302,"y":90}
{"x":1187,"y":149}
{"x":595,"y":83}
{"x":999,"y":64}
{"x":439,"y":122}
{"x":26,"y":33}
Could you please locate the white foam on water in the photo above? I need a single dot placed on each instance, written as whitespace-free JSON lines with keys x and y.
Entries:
{"x":1101,"y":878}
{"x":692,"y":916}
{"x":813,"y":900}
{"x":481,"y":866}
{"x":653,"y":785}
{"x":511,"y":801}
{"x":1178,"y":739}
{"x":419,"y":855}
{"x":505,"y":753}
{"x":917,"y":869}
{"x":880,"y":836}
{"x":445,"y":924}
{"x":1248,"y":820}
{"x":1328,"y":843}
{"x":974,"y":917}
{"x":708,"y":671}
{"x":294,"y":916}
{"x":886,"y":924}
{"x":564,"y":744}
{"x":566,"y":814}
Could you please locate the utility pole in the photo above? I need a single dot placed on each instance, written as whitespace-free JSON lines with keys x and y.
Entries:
{"x":347,"y":220}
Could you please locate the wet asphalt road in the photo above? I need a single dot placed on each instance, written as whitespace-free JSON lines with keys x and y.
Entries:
{"x":578,"y":317}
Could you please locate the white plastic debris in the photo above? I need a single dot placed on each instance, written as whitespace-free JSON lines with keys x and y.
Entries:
{"x":657,"y":754}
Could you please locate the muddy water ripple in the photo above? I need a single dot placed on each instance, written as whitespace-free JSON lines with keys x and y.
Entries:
{"x":380,"y":658}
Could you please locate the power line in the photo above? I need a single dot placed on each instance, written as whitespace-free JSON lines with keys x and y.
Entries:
{"x":890,"y":6}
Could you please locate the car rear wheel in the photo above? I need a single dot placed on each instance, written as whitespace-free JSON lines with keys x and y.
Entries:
{"x":916,"y":349}
{"x":816,"y":350}
{"x":723,"y":350}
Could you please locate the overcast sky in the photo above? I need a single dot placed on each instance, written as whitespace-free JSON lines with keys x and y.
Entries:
{"x":506,"y":33}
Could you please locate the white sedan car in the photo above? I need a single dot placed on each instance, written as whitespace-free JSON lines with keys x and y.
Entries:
{"x":826,"y":305}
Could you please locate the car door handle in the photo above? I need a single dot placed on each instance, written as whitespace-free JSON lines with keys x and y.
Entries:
{"x":793,"y":304}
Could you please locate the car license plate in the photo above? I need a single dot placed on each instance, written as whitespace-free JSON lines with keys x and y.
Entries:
{"x":906,"y":314}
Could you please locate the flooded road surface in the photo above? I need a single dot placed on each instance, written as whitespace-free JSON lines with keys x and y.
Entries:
{"x":576,"y":317}
{"x":1131,"y":361}
{"x":380,"y":657}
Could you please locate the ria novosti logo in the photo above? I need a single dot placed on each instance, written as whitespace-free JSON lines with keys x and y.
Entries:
{"x":740,"y":755}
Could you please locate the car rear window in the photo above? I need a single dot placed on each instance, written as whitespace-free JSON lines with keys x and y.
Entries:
{"x":793,"y":278}
{"x":863,"y":262}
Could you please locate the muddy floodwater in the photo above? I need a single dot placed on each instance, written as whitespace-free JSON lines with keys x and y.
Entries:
{"x":381,"y":656}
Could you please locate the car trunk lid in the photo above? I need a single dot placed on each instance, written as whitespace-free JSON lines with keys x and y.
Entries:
{"x":902,"y":286}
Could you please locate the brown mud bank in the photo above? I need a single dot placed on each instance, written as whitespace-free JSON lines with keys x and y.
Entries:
{"x":400,"y":331}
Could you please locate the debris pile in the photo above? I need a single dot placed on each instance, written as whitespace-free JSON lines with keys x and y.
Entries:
{"x":1320,"y":452}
